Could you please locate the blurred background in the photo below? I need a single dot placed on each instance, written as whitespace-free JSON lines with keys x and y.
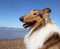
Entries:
{"x":11,"y":10}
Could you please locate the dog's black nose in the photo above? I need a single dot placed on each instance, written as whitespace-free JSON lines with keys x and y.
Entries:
{"x":21,"y":19}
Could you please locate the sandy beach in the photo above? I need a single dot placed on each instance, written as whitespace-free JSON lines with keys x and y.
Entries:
{"x":12,"y":44}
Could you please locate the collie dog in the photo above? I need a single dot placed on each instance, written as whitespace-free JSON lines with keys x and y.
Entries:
{"x":43,"y":33}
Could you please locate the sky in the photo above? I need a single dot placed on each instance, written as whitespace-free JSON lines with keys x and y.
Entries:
{"x":11,"y":10}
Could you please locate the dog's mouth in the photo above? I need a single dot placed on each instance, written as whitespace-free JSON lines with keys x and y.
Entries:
{"x":28,"y":24}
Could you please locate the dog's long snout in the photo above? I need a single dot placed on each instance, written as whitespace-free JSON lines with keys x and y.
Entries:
{"x":21,"y":19}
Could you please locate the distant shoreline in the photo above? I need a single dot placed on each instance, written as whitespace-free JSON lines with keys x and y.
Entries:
{"x":11,"y":39}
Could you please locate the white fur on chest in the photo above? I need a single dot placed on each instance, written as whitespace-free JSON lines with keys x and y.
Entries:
{"x":39,"y":36}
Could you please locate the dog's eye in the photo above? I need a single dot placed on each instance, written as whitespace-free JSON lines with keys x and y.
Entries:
{"x":35,"y":14}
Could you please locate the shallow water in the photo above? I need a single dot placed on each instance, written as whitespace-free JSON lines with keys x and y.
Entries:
{"x":11,"y":33}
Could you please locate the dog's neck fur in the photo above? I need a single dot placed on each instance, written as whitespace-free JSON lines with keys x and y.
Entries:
{"x":37,"y":36}
{"x":47,"y":20}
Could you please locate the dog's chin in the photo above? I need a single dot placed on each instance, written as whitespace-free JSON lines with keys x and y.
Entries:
{"x":28,"y":24}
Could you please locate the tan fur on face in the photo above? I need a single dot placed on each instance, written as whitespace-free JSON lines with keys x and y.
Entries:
{"x":33,"y":15}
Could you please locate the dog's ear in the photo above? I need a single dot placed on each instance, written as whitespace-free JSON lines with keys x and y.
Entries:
{"x":46,"y":10}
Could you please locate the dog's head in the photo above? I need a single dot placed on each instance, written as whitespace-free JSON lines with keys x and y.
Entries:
{"x":33,"y":18}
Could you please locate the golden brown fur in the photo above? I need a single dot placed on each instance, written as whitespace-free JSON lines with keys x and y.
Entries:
{"x":34,"y":15}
